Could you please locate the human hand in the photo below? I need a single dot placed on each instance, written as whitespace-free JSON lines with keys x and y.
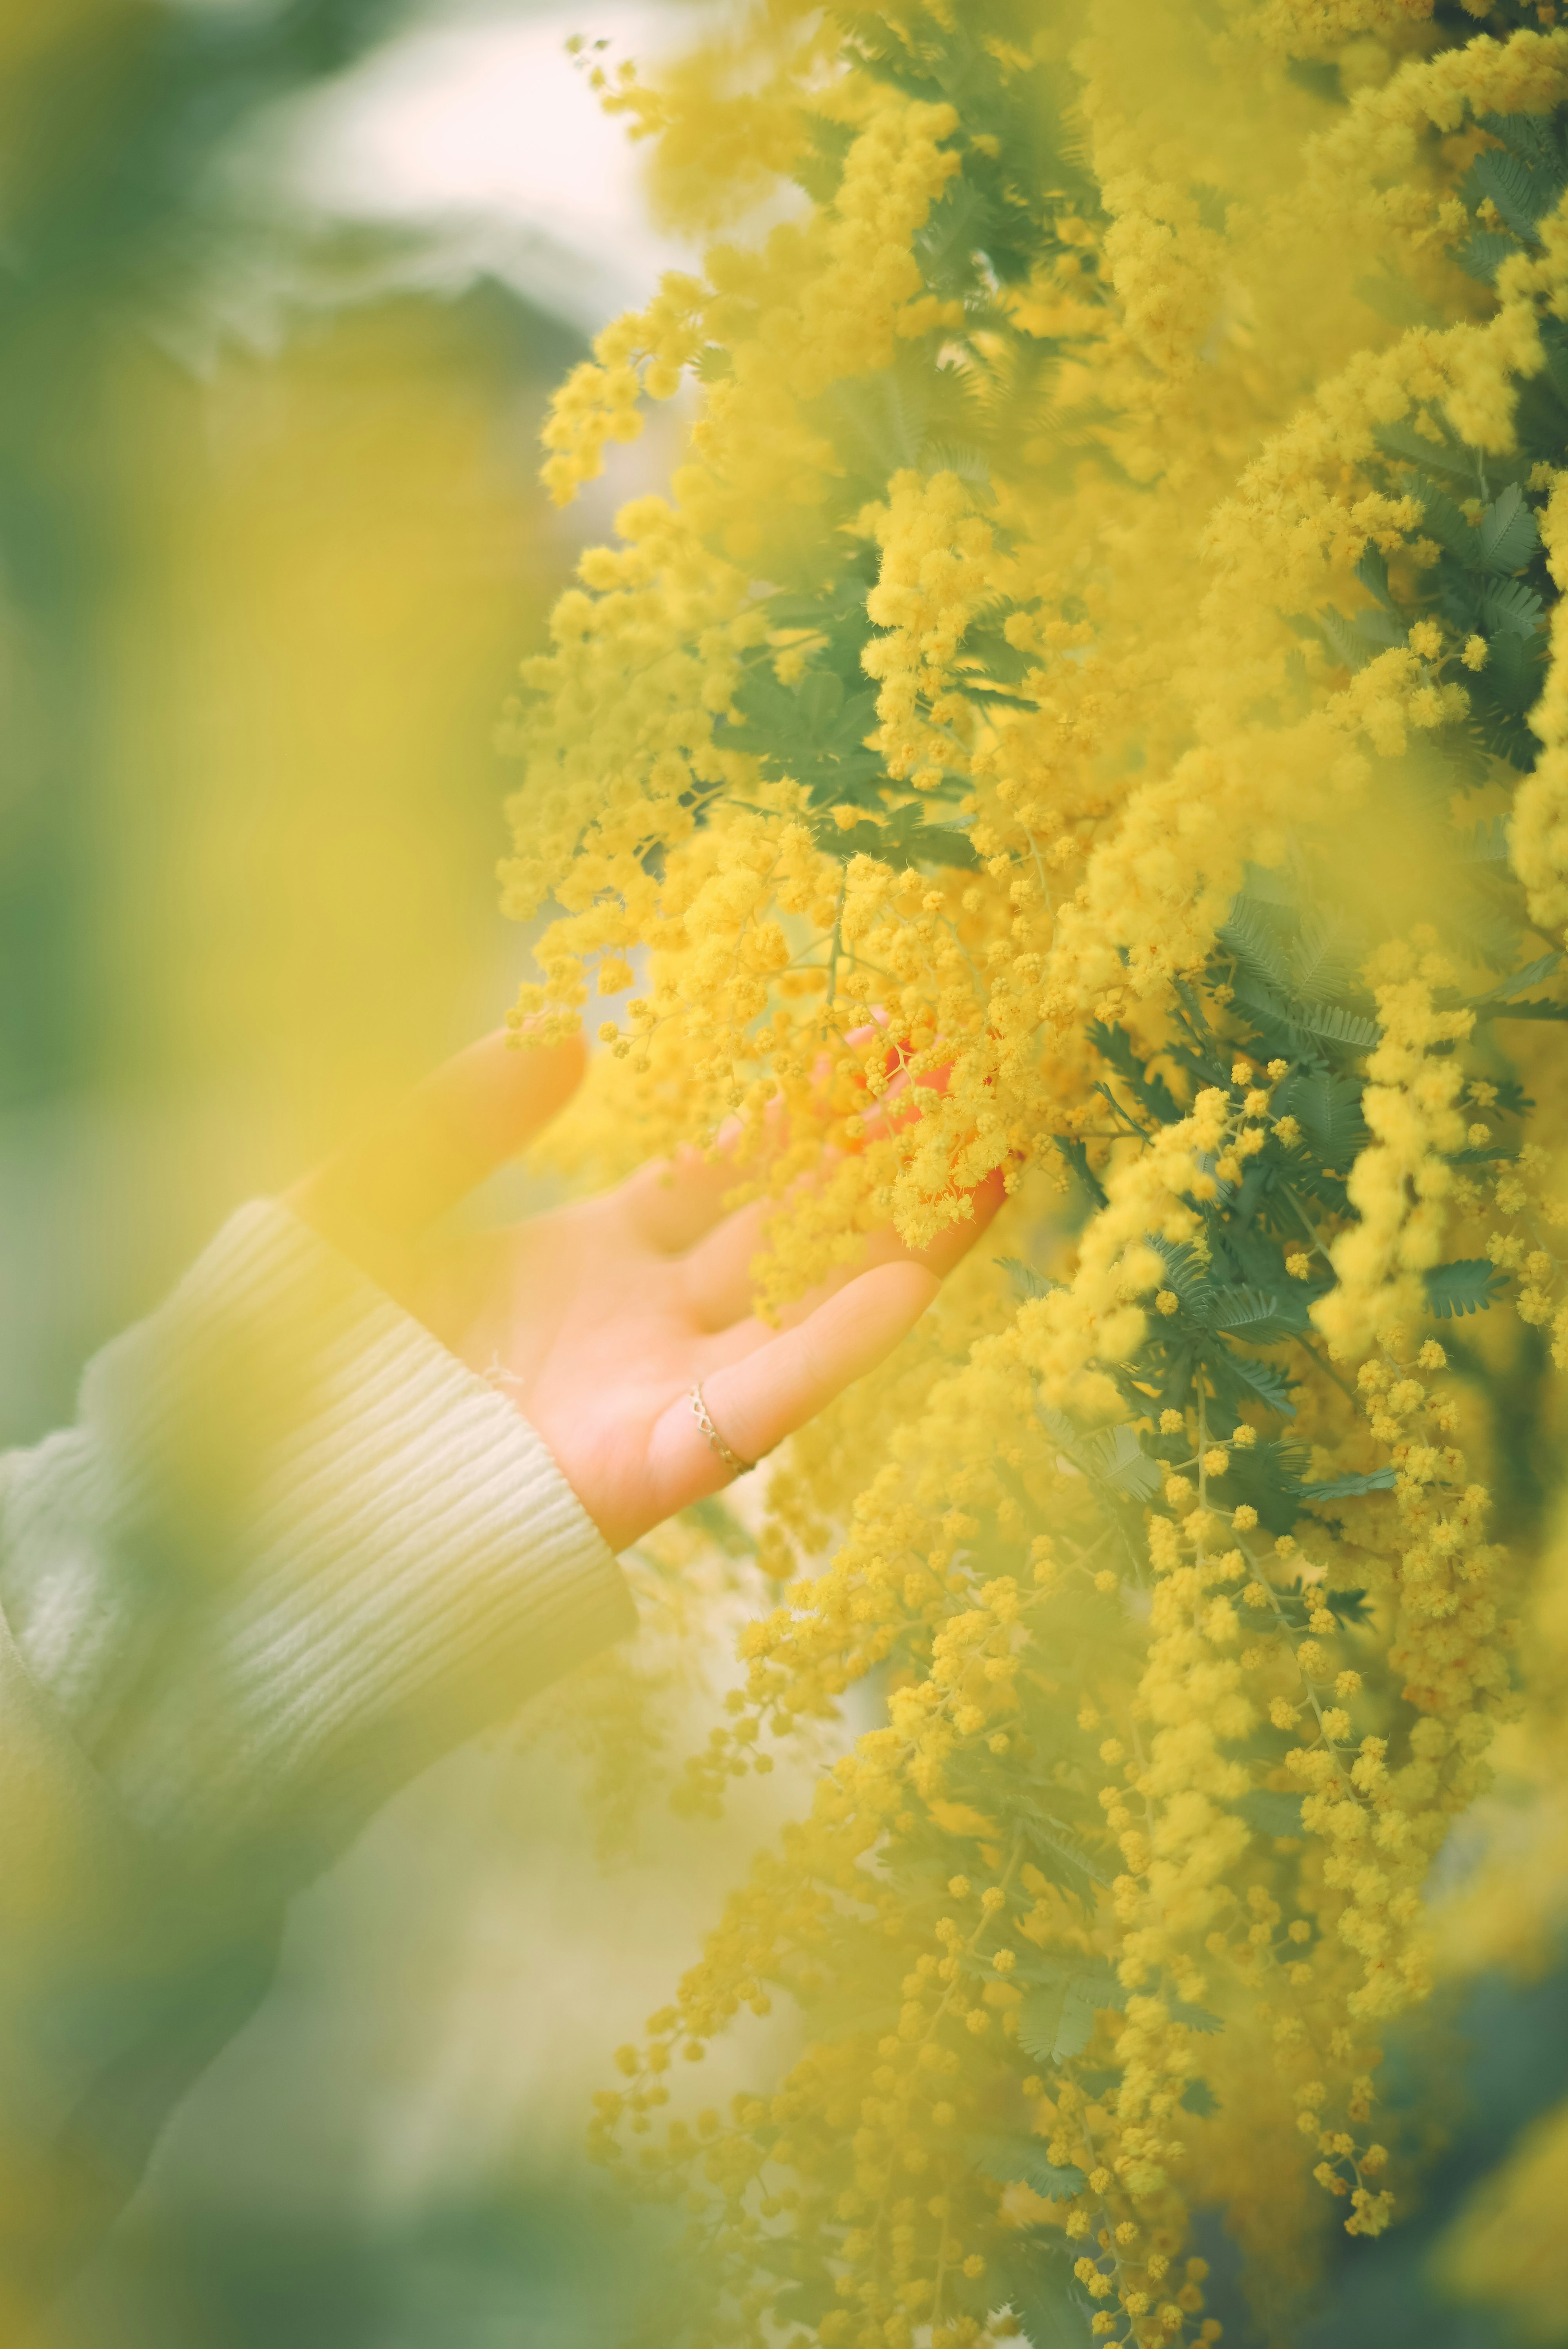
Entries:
{"x":597,"y":1320}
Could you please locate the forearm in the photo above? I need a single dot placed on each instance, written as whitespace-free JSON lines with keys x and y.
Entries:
{"x":292,"y":1551}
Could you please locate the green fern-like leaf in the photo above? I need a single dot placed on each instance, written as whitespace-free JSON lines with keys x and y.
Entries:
{"x":1116,"y":1454}
{"x":1022,"y":2160}
{"x":1343,"y":640}
{"x":821,"y":169}
{"x":1056,"y":2021}
{"x":1050,"y":2308}
{"x":1336,"y":1025}
{"x":1532,"y":137}
{"x":1442,"y":520}
{"x":1267,"y":1009}
{"x":1187,"y":1274}
{"x":1062,"y":1859}
{"x":986,"y":644}
{"x":1483,"y":253}
{"x":1076,"y":1154}
{"x":1520,"y":194}
{"x":1271,"y":1814}
{"x":1350,"y":1488}
{"x":1149,"y":1090}
{"x":814,"y":732}
{"x":1196,"y":2018}
{"x":905,"y":838}
{"x":1326,"y":954}
{"x":1510,"y":608}
{"x":964,"y":458}
{"x":1488,"y":844}
{"x":1248,"y":936}
{"x":1468,"y":1284}
{"x":1446,"y":455}
{"x":1328,"y":1111}
{"x":1537,"y":1008}
{"x":1255,"y":1315}
{"x":1530,"y":976}
{"x":1380,"y":629}
{"x":1267,"y":1477}
{"x":1554,"y":342}
{"x":1270,"y":1384}
{"x":1507,"y":532}
{"x":1024,"y":1281}
{"x":1373,"y":572}
{"x":953,"y":231}
{"x":1265,"y":884}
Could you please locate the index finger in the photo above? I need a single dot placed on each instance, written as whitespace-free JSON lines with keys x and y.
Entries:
{"x":673,"y":1203}
{"x":459,"y":1124}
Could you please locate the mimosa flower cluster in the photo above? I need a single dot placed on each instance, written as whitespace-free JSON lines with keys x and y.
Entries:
{"x":1097,"y":678}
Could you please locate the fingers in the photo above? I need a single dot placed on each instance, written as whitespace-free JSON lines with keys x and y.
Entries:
{"x":757,"y":1401}
{"x":672,"y":1202}
{"x":939,"y":1255}
{"x":463,"y":1122}
{"x":953,"y":1244}
{"x":718,"y":1272}
{"x":716,"y":1275}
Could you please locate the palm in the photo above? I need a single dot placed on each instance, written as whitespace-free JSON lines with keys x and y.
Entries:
{"x":599,"y":1318}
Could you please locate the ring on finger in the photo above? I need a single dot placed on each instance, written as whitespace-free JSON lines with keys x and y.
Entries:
{"x":732,"y":1460}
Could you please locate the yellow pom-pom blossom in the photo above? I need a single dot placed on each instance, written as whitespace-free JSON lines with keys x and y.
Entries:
{"x":1090,"y":708}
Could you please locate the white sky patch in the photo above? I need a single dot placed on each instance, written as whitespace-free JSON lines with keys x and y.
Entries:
{"x":480,"y":125}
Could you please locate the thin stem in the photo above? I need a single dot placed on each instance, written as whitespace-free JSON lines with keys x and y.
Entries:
{"x":1308,"y":1227}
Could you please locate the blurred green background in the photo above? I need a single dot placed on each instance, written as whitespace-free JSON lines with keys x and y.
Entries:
{"x":270,"y":545}
{"x":283,"y":284}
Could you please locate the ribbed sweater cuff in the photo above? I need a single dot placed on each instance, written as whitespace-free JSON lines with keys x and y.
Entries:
{"x":361,"y":1553}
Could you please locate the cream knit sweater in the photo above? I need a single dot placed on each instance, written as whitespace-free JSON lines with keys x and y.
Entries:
{"x":291,"y":1551}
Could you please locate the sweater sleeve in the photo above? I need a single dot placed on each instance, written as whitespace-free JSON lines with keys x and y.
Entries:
{"x":291,"y":1552}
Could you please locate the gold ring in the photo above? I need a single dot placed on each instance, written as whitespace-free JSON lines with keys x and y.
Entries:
{"x":732,"y":1460}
